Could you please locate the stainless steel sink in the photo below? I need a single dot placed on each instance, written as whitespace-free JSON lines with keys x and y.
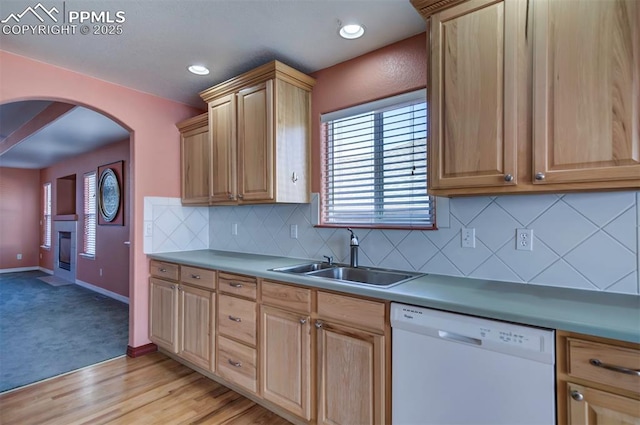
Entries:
{"x":304,"y":268}
{"x":343,"y":273}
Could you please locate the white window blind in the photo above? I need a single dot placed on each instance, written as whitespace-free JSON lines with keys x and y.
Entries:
{"x":375,"y":170}
{"x":90,"y":219}
{"x":46,"y":215}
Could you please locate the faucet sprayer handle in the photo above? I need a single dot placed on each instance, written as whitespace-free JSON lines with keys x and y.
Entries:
{"x":329,"y":259}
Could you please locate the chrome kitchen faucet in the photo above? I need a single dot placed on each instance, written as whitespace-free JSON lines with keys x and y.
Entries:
{"x":354,"y":245}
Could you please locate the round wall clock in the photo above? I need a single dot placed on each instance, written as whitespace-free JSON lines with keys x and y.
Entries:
{"x":109,"y":195}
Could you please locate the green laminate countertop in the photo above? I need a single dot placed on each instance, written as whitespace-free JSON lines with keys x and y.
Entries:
{"x":595,"y":313}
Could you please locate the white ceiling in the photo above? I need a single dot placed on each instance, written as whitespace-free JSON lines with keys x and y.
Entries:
{"x":79,"y":131}
{"x":160,"y":38}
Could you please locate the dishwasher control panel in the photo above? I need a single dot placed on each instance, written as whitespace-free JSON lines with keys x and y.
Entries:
{"x":521,"y":340}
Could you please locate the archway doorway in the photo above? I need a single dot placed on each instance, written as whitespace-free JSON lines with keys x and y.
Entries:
{"x":64,"y":146}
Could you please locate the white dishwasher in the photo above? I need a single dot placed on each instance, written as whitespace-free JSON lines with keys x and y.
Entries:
{"x":454,"y":369}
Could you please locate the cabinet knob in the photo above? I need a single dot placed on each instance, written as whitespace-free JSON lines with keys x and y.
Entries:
{"x":230,"y":196}
{"x":173,"y":286}
{"x":235,"y":364}
{"x":303,"y":320}
{"x":235,"y":285}
{"x":318,"y":325}
{"x":577,"y":395}
{"x":540,"y":176}
{"x":195,"y":276}
{"x":508,"y":178}
{"x":162,"y":270}
{"x":240,"y":196}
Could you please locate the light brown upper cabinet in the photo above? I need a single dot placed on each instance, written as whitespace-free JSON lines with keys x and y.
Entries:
{"x":259,"y":134}
{"x":474,"y":94}
{"x":532,"y":96}
{"x":195,"y":154}
{"x":586,"y":96}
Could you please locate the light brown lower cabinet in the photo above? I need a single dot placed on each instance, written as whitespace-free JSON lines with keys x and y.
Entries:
{"x":351,"y":375}
{"x":598,"y":381}
{"x":596,"y":407}
{"x":163,"y":314}
{"x":286,"y":360}
{"x":196,"y":326}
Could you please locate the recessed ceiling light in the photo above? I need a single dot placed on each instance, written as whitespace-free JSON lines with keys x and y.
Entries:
{"x":351,"y":31}
{"x":199,"y":69}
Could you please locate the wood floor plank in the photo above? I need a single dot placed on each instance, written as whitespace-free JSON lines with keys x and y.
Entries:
{"x":151,"y":389}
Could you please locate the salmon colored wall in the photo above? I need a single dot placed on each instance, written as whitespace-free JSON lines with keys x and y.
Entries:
{"x":155,"y":167}
{"x":398,"y":68}
{"x":19,"y":217}
{"x":112,"y":255}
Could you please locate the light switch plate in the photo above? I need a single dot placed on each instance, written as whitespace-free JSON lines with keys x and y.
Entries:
{"x":468,"y":238}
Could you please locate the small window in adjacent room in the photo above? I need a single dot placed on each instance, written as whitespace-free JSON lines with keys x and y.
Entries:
{"x":375,"y":165}
{"x":90,"y":218}
{"x":46,"y":215}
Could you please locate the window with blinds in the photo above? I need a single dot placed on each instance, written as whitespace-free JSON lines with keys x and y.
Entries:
{"x":90,"y":218}
{"x":375,"y":169}
{"x":46,"y":215}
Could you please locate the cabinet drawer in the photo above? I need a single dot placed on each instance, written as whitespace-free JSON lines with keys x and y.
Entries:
{"x":286,"y":296}
{"x":583,"y":353}
{"x":242,"y":286}
{"x":237,"y":319}
{"x":361,"y":313}
{"x":198,"y":277}
{"x":237,"y":363}
{"x":164,"y":270}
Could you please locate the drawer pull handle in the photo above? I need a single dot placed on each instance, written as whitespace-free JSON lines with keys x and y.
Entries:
{"x":162,"y":270}
{"x":195,"y":276}
{"x":619,"y":369}
{"x":235,"y":364}
{"x":235,"y":319}
{"x":235,"y":285}
{"x":303,"y":321}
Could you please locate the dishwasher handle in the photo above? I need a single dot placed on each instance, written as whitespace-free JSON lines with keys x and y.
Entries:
{"x":452,"y":336}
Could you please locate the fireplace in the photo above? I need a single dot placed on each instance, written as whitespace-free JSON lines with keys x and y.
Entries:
{"x":64,"y":250}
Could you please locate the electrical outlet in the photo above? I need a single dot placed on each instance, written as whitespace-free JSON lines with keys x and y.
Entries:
{"x":100,"y":272}
{"x":234,"y":229}
{"x":148,"y":229}
{"x":41,"y":256}
{"x":468,"y":238}
{"x":524,"y":239}
{"x":293,"y":231}
{"x":19,"y":256}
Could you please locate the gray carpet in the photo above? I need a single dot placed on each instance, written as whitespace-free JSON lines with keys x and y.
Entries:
{"x":49,"y":330}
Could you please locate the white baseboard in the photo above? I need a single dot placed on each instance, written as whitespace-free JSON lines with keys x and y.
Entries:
{"x":103,"y":291}
{"x":19,"y":269}
{"x":42,"y":269}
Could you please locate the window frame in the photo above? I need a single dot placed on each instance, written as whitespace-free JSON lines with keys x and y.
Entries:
{"x":86,"y":252}
{"x":377,"y":109}
{"x":47,"y":219}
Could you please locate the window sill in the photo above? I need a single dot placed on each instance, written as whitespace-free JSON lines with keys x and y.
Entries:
{"x":48,"y":248}
{"x":87,"y":256}
{"x":374,"y":226}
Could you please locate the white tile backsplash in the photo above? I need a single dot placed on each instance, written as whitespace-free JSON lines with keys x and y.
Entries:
{"x":587,"y":241}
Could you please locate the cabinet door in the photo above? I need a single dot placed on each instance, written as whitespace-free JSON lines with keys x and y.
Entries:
{"x":286,"y":360}
{"x":222,"y":127}
{"x":197,"y":324}
{"x":351,"y":374}
{"x":474,"y":94}
{"x":586,"y":91}
{"x":255,"y":143}
{"x":588,"y":406}
{"x":195,"y":166}
{"x":163,"y":306}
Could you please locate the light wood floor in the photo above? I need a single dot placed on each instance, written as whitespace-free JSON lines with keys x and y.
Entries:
{"x":151,"y":389}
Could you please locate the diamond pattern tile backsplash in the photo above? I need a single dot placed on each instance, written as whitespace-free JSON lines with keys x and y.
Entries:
{"x":587,"y":241}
